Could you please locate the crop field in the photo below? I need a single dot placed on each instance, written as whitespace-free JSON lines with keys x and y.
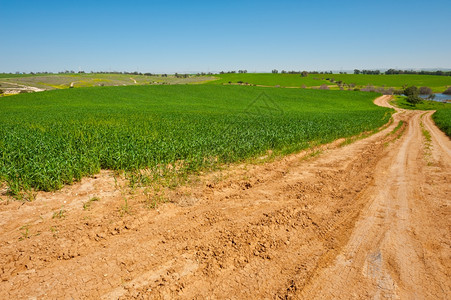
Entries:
{"x":437,"y":83}
{"x":53,"y":138}
{"x":62,"y":81}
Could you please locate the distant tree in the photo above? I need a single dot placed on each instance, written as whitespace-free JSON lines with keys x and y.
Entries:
{"x":275,"y":71}
{"x":304,"y":74}
{"x":356,"y":71}
{"x":438,"y":72}
{"x":424,"y":90}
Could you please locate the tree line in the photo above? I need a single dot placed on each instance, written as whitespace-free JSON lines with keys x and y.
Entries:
{"x":398,"y":72}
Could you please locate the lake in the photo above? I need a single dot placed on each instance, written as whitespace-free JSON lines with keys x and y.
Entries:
{"x":439,"y":97}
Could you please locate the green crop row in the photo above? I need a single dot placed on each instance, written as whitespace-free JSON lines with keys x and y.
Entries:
{"x":53,"y":138}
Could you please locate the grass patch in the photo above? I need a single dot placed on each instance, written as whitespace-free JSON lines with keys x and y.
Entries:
{"x":400,"y":124}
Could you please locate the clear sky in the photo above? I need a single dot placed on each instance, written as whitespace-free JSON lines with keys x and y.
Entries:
{"x":190,"y":36}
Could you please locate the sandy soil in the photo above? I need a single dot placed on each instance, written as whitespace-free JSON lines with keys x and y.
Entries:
{"x":366,"y":220}
{"x":17,"y":88}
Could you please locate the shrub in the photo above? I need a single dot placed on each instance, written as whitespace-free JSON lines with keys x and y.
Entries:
{"x":324,"y":87}
{"x":369,"y":88}
{"x":448,"y":91}
{"x":389,"y":91}
{"x":412,"y":95}
{"x":413,"y":99}
{"x":424,"y":90}
{"x":411,"y":91}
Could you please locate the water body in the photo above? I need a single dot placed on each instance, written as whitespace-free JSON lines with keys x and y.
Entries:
{"x":439,"y":97}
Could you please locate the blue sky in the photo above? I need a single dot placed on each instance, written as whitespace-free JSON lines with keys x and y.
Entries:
{"x":190,"y":36}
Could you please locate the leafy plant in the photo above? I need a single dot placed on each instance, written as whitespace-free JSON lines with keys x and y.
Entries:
{"x":125,"y":208}
{"x":26,"y":232}
{"x":61,"y":214}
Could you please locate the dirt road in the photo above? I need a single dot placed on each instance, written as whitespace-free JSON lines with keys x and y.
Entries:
{"x":366,"y":220}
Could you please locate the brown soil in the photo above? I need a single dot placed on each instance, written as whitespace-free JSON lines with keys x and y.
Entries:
{"x":366,"y":220}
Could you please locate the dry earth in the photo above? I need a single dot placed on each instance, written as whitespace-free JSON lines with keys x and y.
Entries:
{"x":366,"y":220}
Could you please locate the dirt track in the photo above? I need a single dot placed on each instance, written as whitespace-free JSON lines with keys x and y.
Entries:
{"x":367,"y":220}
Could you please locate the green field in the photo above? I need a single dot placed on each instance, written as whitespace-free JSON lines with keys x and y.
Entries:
{"x":437,"y":83}
{"x":442,"y":117}
{"x":52,"y":138}
{"x":269,"y":79}
{"x":443,"y":120}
